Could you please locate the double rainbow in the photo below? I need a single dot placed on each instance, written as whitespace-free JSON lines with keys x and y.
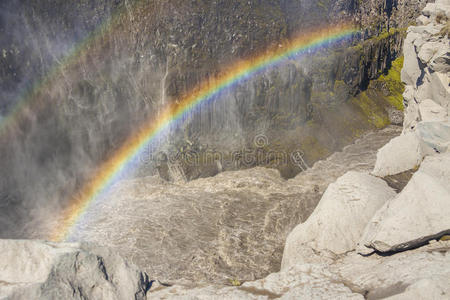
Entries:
{"x":242,"y":70}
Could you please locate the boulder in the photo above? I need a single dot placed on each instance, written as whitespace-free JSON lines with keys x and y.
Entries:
{"x":434,"y":136}
{"x":428,"y":51}
{"x":44,"y":270}
{"x":411,"y":69}
{"x":435,"y":287}
{"x":423,"y":20}
{"x":434,"y":86}
{"x":419,"y":213}
{"x":431,"y":111}
{"x":399,"y":275}
{"x":338,"y":222}
{"x":425,"y":32}
{"x":440,"y":8}
{"x":440,"y":62}
{"x":401,"y":154}
{"x":439,"y":88}
{"x":411,"y":118}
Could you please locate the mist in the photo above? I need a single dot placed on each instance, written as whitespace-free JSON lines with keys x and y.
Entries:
{"x":85,"y":103}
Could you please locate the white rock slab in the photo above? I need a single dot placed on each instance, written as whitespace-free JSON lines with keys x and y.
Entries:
{"x":401,"y":154}
{"x":386,"y":276}
{"x":422,"y":209}
{"x":338,"y":221}
{"x":307,"y":281}
{"x":299,"y":282}
{"x":436,"y":287}
{"x":423,"y":20}
{"x":411,"y":70}
{"x":431,"y":111}
{"x":41,"y":270}
{"x":418,"y":274}
{"x":429,"y":50}
{"x":434,"y":136}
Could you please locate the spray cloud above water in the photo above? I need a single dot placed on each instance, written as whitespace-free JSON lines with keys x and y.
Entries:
{"x":65,"y":136}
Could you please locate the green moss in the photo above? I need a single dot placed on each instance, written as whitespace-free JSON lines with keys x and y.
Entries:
{"x":394,"y":84}
{"x":235,"y":282}
{"x":313,"y":149}
{"x":324,"y":4}
{"x":376,"y":115}
{"x":381,"y":37}
{"x":445,"y":31}
{"x":339,"y":84}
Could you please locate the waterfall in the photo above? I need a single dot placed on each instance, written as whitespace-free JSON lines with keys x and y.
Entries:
{"x":163,"y":85}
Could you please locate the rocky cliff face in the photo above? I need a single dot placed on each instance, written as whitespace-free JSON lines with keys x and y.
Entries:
{"x":150,"y":53}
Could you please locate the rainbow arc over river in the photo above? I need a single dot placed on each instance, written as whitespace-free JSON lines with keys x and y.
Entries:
{"x":110,"y":169}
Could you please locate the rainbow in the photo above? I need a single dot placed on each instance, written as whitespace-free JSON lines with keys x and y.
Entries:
{"x":111,"y":168}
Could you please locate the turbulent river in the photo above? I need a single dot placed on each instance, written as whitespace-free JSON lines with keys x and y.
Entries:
{"x":233,"y":225}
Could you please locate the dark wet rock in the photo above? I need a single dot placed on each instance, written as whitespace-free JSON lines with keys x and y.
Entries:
{"x":400,"y":180}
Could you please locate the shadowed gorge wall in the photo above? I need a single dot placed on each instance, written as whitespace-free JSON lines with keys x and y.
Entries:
{"x":152,"y":52}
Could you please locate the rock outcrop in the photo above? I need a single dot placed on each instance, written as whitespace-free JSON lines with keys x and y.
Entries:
{"x":418,"y":214}
{"x":419,"y":274}
{"x":43,"y":270}
{"x":338,"y":222}
{"x":427,"y":63}
{"x":399,"y":155}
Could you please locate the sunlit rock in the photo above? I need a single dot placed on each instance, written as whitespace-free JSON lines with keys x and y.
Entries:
{"x":436,"y":287}
{"x":400,"y":154}
{"x":431,"y":111}
{"x":398,"y":275}
{"x":338,"y":222}
{"x":420,"y":211}
{"x":423,"y":20}
{"x":43,"y":270}
{"x":408,"y":275}
{"x":411,"y":70}
{"x":306,"y":281}
{"x":434,"y":136}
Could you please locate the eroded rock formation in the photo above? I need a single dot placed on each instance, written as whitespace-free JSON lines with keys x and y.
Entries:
{"x":42,"y":270}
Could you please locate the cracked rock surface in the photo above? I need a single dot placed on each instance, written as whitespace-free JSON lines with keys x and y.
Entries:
{"x":44,"y":270}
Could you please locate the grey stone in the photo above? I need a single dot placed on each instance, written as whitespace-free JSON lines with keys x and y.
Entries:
{"x":411,"y":70}
{"x":43,"y":270}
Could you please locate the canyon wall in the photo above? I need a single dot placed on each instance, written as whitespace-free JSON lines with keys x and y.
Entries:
{"x":87,"y":87}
